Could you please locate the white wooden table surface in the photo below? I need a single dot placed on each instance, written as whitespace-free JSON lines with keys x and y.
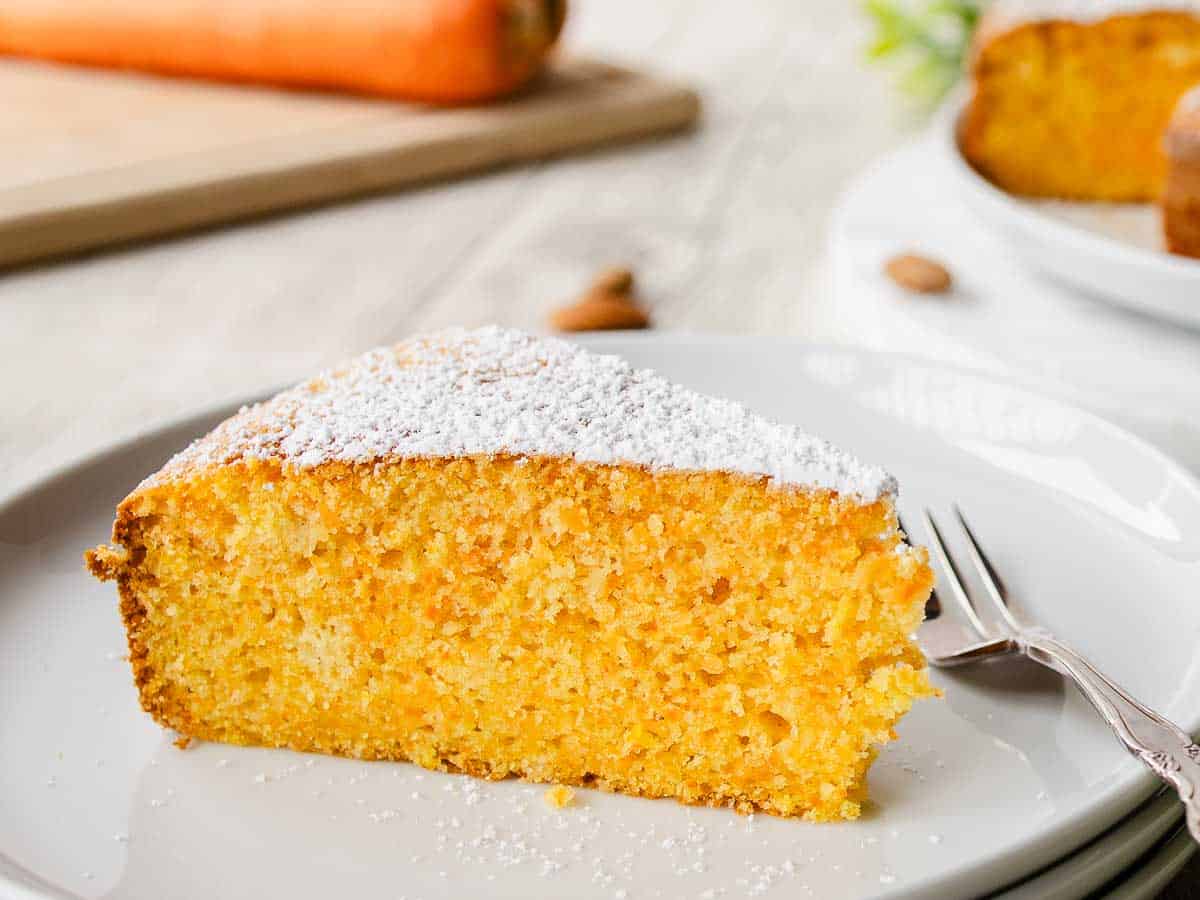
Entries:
{"x":725,"y":227}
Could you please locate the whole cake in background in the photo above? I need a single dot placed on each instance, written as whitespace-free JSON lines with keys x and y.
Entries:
{"x":488,"y":552}
{"x":1082,"y":100}
{"x":1071,"y":98}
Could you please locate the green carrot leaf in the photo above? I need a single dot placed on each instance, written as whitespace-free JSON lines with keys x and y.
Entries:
{"x":925,"y":40}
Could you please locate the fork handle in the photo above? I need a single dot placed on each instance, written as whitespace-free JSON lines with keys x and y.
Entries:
{"x":1164,"y":747}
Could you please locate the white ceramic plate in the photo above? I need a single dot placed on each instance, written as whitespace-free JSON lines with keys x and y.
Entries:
{"x":1152,"y":875}
{"x":1109,"y":250}
{"x":1096,"y":533}
{"x":1002,"y":315}
{"x":1119,"y":850}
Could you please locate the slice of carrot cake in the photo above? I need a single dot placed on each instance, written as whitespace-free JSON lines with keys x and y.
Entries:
{"x":500,"y":554}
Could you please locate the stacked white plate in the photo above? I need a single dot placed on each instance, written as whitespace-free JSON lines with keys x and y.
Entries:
{"x":1009,"y":784}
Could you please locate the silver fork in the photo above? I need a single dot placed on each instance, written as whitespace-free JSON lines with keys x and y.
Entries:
{"x":1161,"y":745}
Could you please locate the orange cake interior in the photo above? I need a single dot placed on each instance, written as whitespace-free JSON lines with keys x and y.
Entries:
{"x":1076,"y":107}
{"x":715,"y":635}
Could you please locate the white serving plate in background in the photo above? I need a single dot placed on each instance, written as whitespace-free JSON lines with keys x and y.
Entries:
{"x":1114,"y":251}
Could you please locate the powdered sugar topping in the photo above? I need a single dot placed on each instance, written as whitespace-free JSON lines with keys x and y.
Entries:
{"x":499,"y":391}
{"x":1017,"y":11}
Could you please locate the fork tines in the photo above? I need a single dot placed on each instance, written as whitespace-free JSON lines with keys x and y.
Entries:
{"x":1008,"y":624}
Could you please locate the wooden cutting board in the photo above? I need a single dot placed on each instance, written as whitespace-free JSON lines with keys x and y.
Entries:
{"x":90,"y":158}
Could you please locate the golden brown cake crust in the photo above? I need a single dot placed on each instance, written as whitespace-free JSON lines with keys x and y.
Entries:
{"x":1181,"y":197}
{"x":1182,"y":141}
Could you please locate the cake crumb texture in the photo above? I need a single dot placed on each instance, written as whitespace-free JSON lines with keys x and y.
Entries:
{"x":698,"y":635}
{"x":559,"y":796}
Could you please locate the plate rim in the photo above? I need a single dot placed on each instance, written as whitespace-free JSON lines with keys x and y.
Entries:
{"x":1076,"y":832}
{"x":1088,"y":865}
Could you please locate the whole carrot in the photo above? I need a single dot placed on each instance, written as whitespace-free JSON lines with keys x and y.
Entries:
{"x":438,"y":51}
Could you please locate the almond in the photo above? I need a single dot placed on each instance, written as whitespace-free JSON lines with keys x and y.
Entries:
{"x":607,"y":305}
{"x":919,"y":273}
{"x":617,"y":280}
{"x":600,"y":312}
